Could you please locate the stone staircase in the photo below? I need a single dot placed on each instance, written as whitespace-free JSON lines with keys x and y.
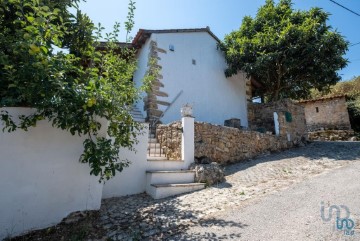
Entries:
{"x":137,"y":115}
{"x":154,"y":148}
{"x":161,"y":184}
{"x":165,"y":178}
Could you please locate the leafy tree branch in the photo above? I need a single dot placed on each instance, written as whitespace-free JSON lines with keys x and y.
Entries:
{"x":73,"y":89}
{"x":288,"y":51}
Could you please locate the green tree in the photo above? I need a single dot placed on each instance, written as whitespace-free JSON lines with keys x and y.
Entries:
{"x":72,"y":89}
{"x":286,"y":50}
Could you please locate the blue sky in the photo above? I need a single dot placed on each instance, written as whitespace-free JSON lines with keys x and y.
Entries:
{"x":222,"y":16}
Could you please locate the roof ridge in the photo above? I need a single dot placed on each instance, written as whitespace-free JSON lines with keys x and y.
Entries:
{"x":323,"y":98}
{"x":145,"y":33}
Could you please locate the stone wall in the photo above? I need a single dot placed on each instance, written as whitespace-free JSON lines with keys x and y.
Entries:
{"x":169,"y":137}
{"x":226,"y":144}
{"x":222,"y":144}
{"x":326,"y":113}
{"x":332,"y":135}
{"x":229,"y":145}
{"x":291,"y":118}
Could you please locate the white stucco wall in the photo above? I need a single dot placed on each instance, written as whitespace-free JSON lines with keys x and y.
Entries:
{"x":41,"y":179}
{"x":214,"y":97}
{"x":132,"y":179}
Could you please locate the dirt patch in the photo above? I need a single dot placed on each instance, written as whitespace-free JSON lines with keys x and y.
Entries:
{"x":78,"y":226}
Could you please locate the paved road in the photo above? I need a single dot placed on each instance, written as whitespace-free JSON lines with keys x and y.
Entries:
{"x":290,"y":214}
{"x":147,"y":219}
{"x":272,"y":197}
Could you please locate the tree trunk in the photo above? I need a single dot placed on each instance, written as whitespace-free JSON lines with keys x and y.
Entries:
{"x":278,"y":83}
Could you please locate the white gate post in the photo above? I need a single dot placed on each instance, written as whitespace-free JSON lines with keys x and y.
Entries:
{"x":187,"y":140}
{"x":277,"y":125}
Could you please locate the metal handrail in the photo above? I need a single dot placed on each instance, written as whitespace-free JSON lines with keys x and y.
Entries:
{"x":152,"y":128}
{"x":172,"y":102}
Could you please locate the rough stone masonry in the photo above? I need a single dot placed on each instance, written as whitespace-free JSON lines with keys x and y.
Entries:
{"x":229,"y":145}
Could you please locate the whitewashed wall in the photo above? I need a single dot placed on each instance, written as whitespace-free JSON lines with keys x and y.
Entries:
{"x":214,"y":97}
{"x":132,"y":179}
{"x":41,"y":179}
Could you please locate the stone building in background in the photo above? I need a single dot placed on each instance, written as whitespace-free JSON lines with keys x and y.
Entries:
{"x":284,"y":117}
{"x":272,"y":127}
{"x":327,"y":113}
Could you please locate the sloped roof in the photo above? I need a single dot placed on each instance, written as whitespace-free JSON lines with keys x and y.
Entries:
{"x":144,"y":34}
{"x":322,"y":98}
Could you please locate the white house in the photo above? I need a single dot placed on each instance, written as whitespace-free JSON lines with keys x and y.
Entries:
{"x":191,"y":71}
{"x":41,"y":178}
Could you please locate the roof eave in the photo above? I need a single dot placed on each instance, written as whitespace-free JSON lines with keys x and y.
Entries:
{"x":322,"y":99}
{"x":144,"y":34}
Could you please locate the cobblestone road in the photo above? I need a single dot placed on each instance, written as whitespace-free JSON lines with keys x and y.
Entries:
{"x":139,"y":217}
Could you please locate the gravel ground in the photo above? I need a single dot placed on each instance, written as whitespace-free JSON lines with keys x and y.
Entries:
{"x":139,"y":217}
{"x":291,"y":214}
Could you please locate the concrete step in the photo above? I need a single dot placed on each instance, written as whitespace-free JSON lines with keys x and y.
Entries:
{"x":162,"y":164}
{"x":155,"y":152}
{"x":153,"y":140}
{"x":154,"y":145}
{"x":137,"y":115}
{"x":142,"y":120}
{"x":175,"y":176}
{"x":156,"y":158}
{"x":158,"y":191}
{"x":136,"y":111}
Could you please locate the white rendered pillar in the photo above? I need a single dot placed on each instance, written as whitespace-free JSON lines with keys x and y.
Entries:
{"x":276,"y":121}
{"x":187,"y":141}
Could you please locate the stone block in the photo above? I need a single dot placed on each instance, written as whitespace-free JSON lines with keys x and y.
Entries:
{"x":208,"y":173}
{"x":233,"y":122}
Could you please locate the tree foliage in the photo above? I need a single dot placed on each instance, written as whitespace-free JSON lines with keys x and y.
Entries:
{"x":73,"y":89}
{"x":286,"y":50}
